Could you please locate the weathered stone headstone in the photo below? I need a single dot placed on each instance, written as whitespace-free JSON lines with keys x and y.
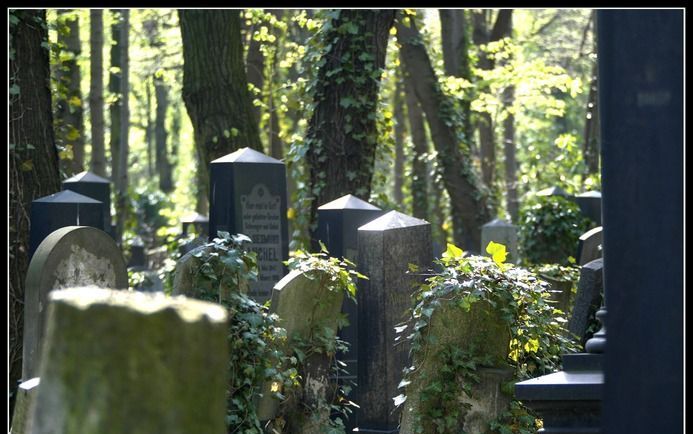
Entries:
{"x":197,"y":221}
{"x":588,"y":297}
{"x":386,"y":246}
{"x":590,"y":203}
{"x":248,"y":196}
{"x":65,"y":208}
{"x":303,"y":304}
{"x":129,"y":362}
{"x":95,"y":187}
{"x":338,"y":223}
{"x":70,"y":256}
{"x":590,"y":246}
{"x":503,"y":232}
{"x":26,"y":398}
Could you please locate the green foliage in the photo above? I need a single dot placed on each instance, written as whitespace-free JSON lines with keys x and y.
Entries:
{"x":521,"y":300}
{"x":550,"y":227}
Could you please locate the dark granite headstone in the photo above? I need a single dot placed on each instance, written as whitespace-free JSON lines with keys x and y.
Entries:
{"x":590,"y":246}
{"x":65,"y":208}
{"x":198,"y":221}
{"x":338,"y":223}
{"x":588,"y":297}
{"x":138,"y":258}
{"x":590,"y":203}
{"x":386,"y":246}
{"x":248,"y":196}
{"x":95,"y":187}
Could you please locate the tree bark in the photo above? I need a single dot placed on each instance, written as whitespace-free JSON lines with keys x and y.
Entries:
{"x":215,"y":86}
{"x":69,"y":119}
{"x":398,"y":103}
{"x":123,"y":152}
{"x":98,"y":150}
{"x":470,"y":204}
{"x":163,"y":165}
{"x":255,"y":69}
{"x":510,"y":160}
{"x":149,"y":130}
{"x":590,"y":147}
{"x":342,"y":133}
{"x":114,"y":88}
{"x":33,"y":159}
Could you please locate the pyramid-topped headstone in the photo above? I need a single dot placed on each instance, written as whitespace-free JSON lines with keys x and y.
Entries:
{"x":502,"y":232}
{"x":95,"y":187}
{"x":348,"y":201}
{"x":65,"y":208}
{"x":386,"y":245}
{"x":248,"y":196}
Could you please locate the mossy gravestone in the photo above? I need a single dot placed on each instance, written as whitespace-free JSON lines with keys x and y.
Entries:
{"x":68,"y":257}
{"x":26,"y":397}
{"x":305,"y":305}
{"x":128,"y":362}
{"x":187,"y":269}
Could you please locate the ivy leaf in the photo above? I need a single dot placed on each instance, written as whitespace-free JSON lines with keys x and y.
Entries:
{"x":453,"y":252}
{"x":399,"y":399}
{"x":497,"y":251}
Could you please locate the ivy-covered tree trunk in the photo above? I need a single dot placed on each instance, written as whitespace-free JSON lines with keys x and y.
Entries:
{"x":98,"y":150}
{"x":215,"y":86}
{"x":121,"y":182}
{"x":69,"y":118}
{"x":342,"y":133}
{"x":114,"y":89}
{"x":33,"y":159}
{"x":470,"y":203}
{"x":398,"y":103}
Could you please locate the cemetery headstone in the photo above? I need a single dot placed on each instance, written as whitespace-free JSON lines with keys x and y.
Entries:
{"x":65,"y":208}
{"x":70,"y":256}
{"x":304,"y":304}
{"x":590,"y":246}
{"x":186,"y":269}
{"x":129,"y":362}
{"x":248,"y":196}
{"x":199,"y":222}
{"x":338,"y":223}
{"x":590,"y":203}
{"x":503,"y":232}
{"x":554,"y":191}
{"x":588,"y":297}
{"x":26,"y":397}
{"x":387,"y":245}
{"x":95,"y":187}
{"x":138,"y":258}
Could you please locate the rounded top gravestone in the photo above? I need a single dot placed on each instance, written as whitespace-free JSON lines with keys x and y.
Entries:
{"x":70,"y":256}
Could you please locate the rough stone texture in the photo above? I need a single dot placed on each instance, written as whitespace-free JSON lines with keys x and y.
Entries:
{"x":503,"y":232}
{"x":304,"y":304}
{"x":70,"y":256}
{"x":26,"y":397}
{"x":386,"y":246}
{"x":589,"y":294}
{"x":589,"y":246}
{"x":482,"y":328}
{"x":128,"y":362}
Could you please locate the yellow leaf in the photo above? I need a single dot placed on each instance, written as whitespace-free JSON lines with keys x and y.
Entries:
{"x":532,"y":346}
{"x":497,"y":251}
{"x":290,"y":213}
{"x":453,"y":252}
{"x":27,"y":165}
{"x":75,"y":101}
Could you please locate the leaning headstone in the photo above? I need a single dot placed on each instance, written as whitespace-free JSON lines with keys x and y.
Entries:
{"x":303,"y":304}
{"x":58,"y":210}
{"x":387,"y":245}
{"x":590,"y":203}
{"x":26,"y":397}
{"x":502,"y":232}
{"x":70,"y":256}
{"x":590,"y":246}
{"x":128,"y":362}
{"x":588,"y":297}
{"x":338,"y":223}
{"x":248,"y":196}
{"x":95,"y":187}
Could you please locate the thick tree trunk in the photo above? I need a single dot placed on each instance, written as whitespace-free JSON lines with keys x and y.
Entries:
{"x":510,"y":160}
{"x":33,"y":159}
{"x":398,"y":104}
{"x":470,"y":203}
{"x":114,"y":88}
{"x":255,"y":69}
{"x":69,"y":122}
{"x":163,"y":166}
{"x":98,"y":150}
{"x":342,"y":133}
{"x":122,"y":180}
{"x":215,"y":86}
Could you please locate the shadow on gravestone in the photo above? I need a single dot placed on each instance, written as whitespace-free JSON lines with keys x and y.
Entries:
{"x":70,"y":256}
{"x":588,"y":298}
{"x":127,"y":362}
{"x":387,"y":245}
{"x":95,"y":187}
{"x":590,"y":246}
{"x":304,"y":303}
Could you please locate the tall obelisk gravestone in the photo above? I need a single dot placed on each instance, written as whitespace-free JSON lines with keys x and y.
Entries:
{"x":248,"y":196}
{"x":387,"y":245}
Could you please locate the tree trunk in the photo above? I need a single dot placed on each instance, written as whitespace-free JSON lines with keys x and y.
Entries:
{"x":470,"y":203}
{"x":122,"y":180}
{"x":114,"y":89}
{"x":255,"y":69}
{"x":215,"y":86}
{"x":149,"y":128}
{"x":69,"y":122}
{"x":342,"y":133}
{"x":590,"y":147}
{"x":510,"y":160}
{"x":163,"y":166}
{"x":98,"y":150}
{"x":398,"y":103}
{"x":33,"y":159}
